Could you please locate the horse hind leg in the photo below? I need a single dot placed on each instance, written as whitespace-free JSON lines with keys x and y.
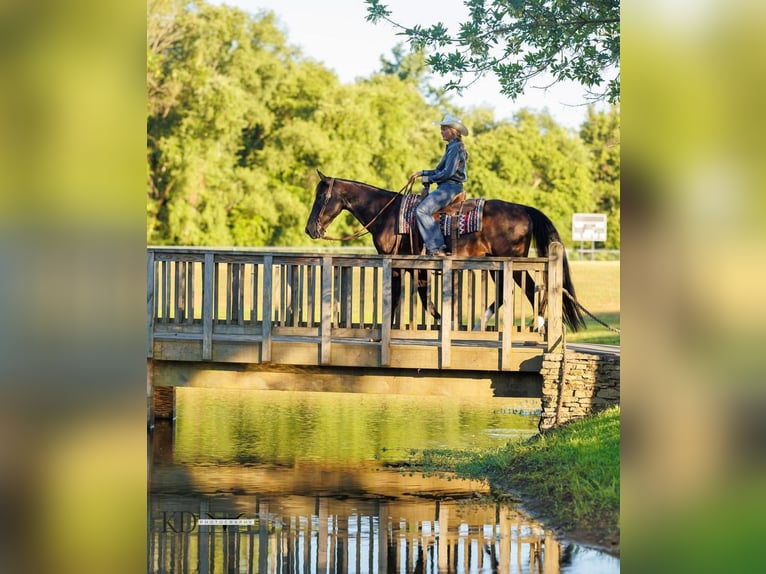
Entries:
{"x":481,"y":322}
{"x":531,"y":289}
{"x":541,"y":311}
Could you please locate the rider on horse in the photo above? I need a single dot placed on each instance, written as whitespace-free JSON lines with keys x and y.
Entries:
{"x":449,"y":176}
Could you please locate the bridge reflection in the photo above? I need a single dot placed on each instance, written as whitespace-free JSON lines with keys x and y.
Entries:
{"x":327,"y":534}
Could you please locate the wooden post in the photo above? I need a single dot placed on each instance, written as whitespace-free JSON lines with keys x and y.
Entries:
{"x":179,"y":307}
{"x":208,"y":293}
{"x":507,"y":351}
{"x":325,"y":328}
{"x":346,"y":290}
{"x":268,"y":274}
{"x":150,"y":295}
{"x":385,"y":322}
{"x":446,"y":321}
{"x":165,"y":291}
{"x":236,"y":292}
{"x":555,"y":294}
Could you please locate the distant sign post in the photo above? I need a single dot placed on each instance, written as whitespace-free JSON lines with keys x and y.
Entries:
{"x":588,"y":227}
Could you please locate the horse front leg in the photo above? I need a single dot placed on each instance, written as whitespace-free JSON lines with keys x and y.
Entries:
{"x":482,"y":322}
{"x":428,"y":304}
{"x":396,"y":295}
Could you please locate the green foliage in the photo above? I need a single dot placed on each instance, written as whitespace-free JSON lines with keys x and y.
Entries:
{"x":238,"y":122}
{"x":601,"y":134}
{"x":534,"y":162}
{"x":519,"y":40}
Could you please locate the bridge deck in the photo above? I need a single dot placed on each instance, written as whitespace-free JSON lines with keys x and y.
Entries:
{"x":329,"y":309}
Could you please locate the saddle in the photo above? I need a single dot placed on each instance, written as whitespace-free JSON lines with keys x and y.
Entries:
{"x":460,"y":217}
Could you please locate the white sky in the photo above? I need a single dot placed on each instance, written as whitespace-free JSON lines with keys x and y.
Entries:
{"x":336,"y":33}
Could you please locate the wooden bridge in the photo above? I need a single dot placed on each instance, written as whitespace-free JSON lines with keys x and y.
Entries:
{"x":326,"y":309}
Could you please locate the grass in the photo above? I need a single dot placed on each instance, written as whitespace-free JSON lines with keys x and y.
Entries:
{"x":570,"y":476}
{"x":597,"y":285}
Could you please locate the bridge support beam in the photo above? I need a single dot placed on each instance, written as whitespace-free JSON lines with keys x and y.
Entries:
{"x":473,"y":384}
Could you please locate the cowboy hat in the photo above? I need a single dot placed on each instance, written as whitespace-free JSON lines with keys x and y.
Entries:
{"x":453,"y":122}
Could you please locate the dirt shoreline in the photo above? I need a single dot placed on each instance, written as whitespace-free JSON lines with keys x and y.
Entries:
{"x":602,"y":537}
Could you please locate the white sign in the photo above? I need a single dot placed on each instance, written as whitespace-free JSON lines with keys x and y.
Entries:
{"x":589,"y":227}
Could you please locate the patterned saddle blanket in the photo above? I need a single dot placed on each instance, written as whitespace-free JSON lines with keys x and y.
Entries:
{"x":456,"y":219}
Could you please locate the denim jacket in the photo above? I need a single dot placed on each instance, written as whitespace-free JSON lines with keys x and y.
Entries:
{"x":451,"y":168}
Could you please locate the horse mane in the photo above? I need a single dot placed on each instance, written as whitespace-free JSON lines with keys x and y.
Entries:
{"x":363,"y":184}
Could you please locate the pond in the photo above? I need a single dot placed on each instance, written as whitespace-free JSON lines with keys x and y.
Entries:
{"x":278,"y":481}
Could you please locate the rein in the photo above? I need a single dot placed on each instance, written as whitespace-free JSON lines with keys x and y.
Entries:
{"x":365,"y":228}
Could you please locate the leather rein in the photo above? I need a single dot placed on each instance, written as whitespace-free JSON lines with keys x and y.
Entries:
{"x":365,"y":228}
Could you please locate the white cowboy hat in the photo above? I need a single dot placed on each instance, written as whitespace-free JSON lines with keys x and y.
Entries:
{"x":453,"y":122}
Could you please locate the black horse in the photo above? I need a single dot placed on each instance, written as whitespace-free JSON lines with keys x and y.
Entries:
{"x":507,"y":231}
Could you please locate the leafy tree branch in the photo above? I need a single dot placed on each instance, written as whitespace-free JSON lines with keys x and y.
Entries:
{"x":518,"y":40}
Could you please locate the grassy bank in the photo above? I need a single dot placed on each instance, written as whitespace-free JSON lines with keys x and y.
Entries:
{"x":569,"y":477}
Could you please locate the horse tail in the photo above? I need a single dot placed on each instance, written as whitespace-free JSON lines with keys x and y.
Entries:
{"x":544,"y":233}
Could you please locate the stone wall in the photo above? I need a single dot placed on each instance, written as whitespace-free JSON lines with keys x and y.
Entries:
{"x":590,"y":383}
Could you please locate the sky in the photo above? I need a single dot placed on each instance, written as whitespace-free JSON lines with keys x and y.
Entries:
{"x":336,"y":33}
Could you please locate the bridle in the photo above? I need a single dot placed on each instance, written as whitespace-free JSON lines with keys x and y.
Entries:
{"x":365,"y":228}
{"x":328,"y":195}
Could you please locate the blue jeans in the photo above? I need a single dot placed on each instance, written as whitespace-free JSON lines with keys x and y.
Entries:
{"x":435,"y":200}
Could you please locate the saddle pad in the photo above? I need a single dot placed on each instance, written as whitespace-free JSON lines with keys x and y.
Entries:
{"x":464,"y":217}
{"x":463,"y":222}
{"x":407,"y":213}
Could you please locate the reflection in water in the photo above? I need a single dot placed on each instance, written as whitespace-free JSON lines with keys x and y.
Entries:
{"x":335,"y":504}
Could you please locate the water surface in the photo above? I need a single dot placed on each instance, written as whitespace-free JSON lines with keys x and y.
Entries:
{"x":312,"y":482}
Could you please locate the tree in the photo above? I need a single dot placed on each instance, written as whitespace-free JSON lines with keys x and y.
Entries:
{"x":379,"y":131}
{"x":601,"y":134}
{"x":412,"y":67}
{"x":533,"y":162}
{"x":238,"y":122}
{"x":518,"y":40}
{"x":223,"y":88}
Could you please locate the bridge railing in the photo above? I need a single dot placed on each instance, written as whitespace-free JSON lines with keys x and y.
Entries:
{"x":225,"y":298}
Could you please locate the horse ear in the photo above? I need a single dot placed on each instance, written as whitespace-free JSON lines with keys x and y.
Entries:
{"x":322,"y":176}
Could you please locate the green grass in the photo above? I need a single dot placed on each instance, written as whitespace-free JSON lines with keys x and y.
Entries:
{"x":570,"y":476}
{"x":597,"y":285}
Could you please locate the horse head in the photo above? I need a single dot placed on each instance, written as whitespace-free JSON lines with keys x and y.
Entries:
{"x":326,"y":207}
